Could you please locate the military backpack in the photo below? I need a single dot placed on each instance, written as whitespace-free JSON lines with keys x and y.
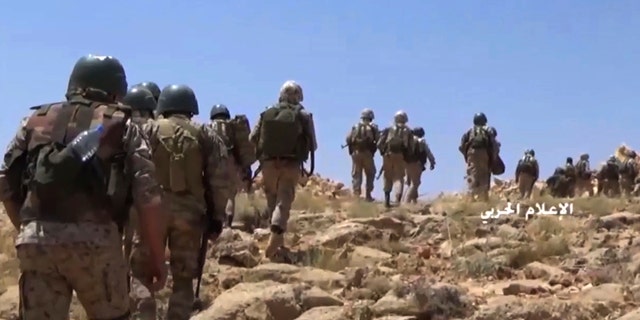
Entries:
{"x":363,"y":137}
{"x":398,"y":140}
{"x":479,"y":137}
{"x":282,"y":133}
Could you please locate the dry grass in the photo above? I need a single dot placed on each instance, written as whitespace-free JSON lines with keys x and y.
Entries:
{"x":363,"y":209}
{"x":599,"y":205}
{"x":379,"y":286}
{"x":538,"y":251}
{"x":477,"y":265}
{"x":305,"y":201}
{"x":324,"y":258}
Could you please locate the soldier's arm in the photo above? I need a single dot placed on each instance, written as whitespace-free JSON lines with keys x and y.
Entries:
{"x":216,"y":173}
{"x":463,"y":144}
{"x":430,"y":157}
{"x":254,"y":137}
{"x":347,"y":140}
{"x":310,"y":129}
{"x":537,"y":169}
{"x":8,"y":191}
{"x":145,"y":191}
{"x":376,"y":132}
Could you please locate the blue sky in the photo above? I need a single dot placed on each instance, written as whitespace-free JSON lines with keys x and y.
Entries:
{"x":562,"y":77}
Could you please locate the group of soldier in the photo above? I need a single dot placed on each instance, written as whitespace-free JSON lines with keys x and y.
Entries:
{"x":156,"y":178}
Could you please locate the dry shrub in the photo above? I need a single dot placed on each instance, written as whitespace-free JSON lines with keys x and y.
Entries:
{"x":324,"y":258}
{"x":598,"y":205}
{"x":389,"y":246}
{"x":538,"y":251}
{"x":306,"y":201}
{"x":477,"y":265}
{"x":379,"y":286}
{"x":363,"y":209}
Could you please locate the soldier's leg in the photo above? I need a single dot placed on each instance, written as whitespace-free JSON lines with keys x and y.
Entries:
{"x":98,"y":276}
{"x":44,"y":292}
{"x":184,"y":245}
{"x":289,"y":176}
{"x":270,"y":186}
{"x":356,"y":173}
{"x":369,"y":167}
{"x":387,"y":175}
{"x":399,"y":170}
{"x":234,"y":180}
{"x":522,"y":186}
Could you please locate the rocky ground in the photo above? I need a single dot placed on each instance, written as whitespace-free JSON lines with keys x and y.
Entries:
{"x":355,"y":260}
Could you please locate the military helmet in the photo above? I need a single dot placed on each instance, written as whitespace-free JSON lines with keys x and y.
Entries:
{"x":584,"y":156}
{"x":480,"y":119}
{"x":530,"y":152}
{"x":612,"y":158}
{"x":104,"y":73}
{"x":140,"y":98}
{"x":220,"y":110}
{"x":291,"y":91}
{"x":152,"y":87}
{"x":367,"y":114}
{"x":631,"y":154}
{"x":569,"y":160}
{"x":401,"y":117}
{"x":177,"y":98}
{"x":418,"y":132}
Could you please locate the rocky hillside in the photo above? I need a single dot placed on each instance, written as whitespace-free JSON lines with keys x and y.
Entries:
{"x":355,"y":260}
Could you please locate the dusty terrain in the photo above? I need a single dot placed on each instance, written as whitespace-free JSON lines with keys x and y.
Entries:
{"x":355,"y":260}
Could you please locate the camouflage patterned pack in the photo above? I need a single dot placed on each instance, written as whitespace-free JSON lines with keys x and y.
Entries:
{"x":244,"y":151}
{"x":224,"y":129}
{"x":479,"y":137}
{"x":362,"y":137}
{"x":177,"y":155}
{"x":399,"y":139}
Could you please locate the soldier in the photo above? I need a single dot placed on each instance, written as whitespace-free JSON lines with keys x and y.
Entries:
{"x":362,"y":141}
{"x":69,"y":209}
{"x":142,"y":104}
{"x":480,"y":150}
{"x":527,"y":173}
{"x":628,"y":173}
{"x":285,"y":138}
{"x":152,"y":87}
{"x":583,"y":176}
{"x":184,"y":152}
{"x":416,"y":162}
{"x":558,"y":183}
{"x":395,"y":144}
{"x":235,"y":135}
{"x":609,"y":178}
{"x":570,"y":172}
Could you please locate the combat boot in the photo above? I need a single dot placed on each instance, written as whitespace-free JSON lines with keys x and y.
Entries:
{"x":398,"y":198}
{"x":387,"y":199}
{"x":368,"y":197}
{"x":276,"y":241}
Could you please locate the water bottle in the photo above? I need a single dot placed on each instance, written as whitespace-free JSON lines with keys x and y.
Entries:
{"x":86,"y":143}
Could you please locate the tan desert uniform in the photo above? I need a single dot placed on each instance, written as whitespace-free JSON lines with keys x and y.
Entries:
{"x":281,"y":175}
{"x":187,"y":208}
{"x":583,"y":176}
{"x":362,"y":140}
{"x":394,"y":144}
{"x":527,"y":173}
{"x":57,"y":258}
{"x":478,"y":161}
{"x":416,"y":168}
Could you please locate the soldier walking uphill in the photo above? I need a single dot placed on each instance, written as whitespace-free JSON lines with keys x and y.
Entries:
{"x":68,"y":216}
{"x":152,"y":87}
{"x":142,"y":103}
{"x":285,"y":138}
{"x":395,"y":144}
{"x":628,"y":173}
{"x":362,"y":141}
{"x":527,"y":173}
{"x":609,"y":178}
{"x":191,"y":167}
{"x":583,"y":176}
{"x":235,"y":134}
{"x":416,"y":163}
{"x":481,"y":153}
{"x":572,"y":176}
{"x":559,"y":184}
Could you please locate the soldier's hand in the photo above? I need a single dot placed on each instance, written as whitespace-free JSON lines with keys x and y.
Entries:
{"x":432,"y":166}
{"x":157,"y":274}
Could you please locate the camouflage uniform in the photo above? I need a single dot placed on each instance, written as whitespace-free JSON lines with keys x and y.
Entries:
{"x":527,"y":173}
{"x":583,"y":176}
{"x":417,"y":162}
{"x":186,"y":222}
{"x":281,"y":175}
{"x":572,"y":176}
{"x":558,"y":183}
{"x":361,"y":141}
{"x":394,"y":161}
{"x":609,"y":178}
{"x":479,"y":159}
{"x":628,"y":174}
{"x":86,"y":257}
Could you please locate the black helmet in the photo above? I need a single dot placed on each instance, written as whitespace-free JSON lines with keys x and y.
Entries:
{"x":570,"y":160}
{"x":418,"y":132}
{"x":479,"y":119}
{"x":104,"y":73}
{"x":177,"y":98}
{"x":152,"y":87}
{"x":219,"y":110}
{"x":140,"y":98}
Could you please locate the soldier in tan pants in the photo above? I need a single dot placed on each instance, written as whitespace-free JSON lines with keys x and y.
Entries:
{"x":362,"y":140}
{"x":395,"y":143}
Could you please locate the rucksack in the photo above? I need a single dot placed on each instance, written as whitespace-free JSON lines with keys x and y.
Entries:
{"x":397,"y":139}
{"x":224,"y":129}
{"x":527,"y":164}
{"x":57,"y":186}
{"x":628,"y":168}
{"x":611,"y":170}
{"x":178,"y":156}
{"x":282,"y":133}
{"x":363,"y":136}
{"x":243,"y":150}
{"x":479,"y":137}
{"x":570,"y":171}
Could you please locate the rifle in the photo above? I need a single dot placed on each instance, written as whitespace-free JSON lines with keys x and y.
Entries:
{"x":380,"y":173}
{"x":204,"y":242}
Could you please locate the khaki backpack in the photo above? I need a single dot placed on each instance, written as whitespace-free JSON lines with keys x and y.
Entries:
{"x":178,"y":157}
{"x":282,"y":133}
{"x":399,"y":140}
{"x":479,"y":137}
{"x":362,"y":136}
{"x":244,"y":151}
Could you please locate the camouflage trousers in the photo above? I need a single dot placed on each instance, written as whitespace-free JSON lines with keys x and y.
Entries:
{"x":609,"y":187}
{"x":234,"y":181}
{"x":478,"y":173}
{"x":525,"y":185}
{"x":582,"y":186}
{"x":50,"y":274}
{"x":280,"y":178}
{"x":394,"y":166}
{"x":362,"y":162}
{"x":626,"y":185}
{"x":414,"y":179}
{"x":183,"y":234}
